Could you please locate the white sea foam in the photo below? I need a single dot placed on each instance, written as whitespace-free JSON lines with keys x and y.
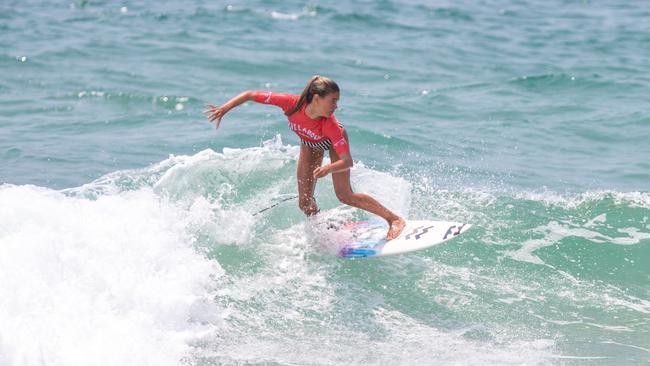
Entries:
{"x":293,"y":16}
{"x":107,"y":281}
{"x":555,"y":231}
{"x":570,"y":201}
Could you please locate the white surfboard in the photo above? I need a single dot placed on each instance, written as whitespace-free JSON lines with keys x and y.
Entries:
{"x":368,"y":238}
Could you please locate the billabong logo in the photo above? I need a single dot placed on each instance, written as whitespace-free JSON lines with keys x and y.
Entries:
{"x":450,"y":231}
{"x":418,"y":232}
{"x":304,"y":131}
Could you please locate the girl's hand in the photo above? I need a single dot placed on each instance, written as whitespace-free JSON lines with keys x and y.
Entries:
{"x":321,"y":171}
{"x":215,"y":114}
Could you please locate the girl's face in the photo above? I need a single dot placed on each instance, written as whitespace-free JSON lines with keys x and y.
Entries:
{"x":325,"y":106}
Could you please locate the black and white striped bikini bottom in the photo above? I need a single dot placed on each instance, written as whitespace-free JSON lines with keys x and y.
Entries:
{"x":322,"y":145}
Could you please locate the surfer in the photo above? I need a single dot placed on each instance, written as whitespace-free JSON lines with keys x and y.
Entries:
{"x":311,"y":117}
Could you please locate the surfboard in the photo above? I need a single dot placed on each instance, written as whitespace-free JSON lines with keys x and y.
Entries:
{"x":368,"y":238}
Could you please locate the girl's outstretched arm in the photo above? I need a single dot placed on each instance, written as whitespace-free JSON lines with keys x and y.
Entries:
{"x":215,"y":113}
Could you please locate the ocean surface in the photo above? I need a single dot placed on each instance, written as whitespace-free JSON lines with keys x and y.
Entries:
{"x":129,"y":232}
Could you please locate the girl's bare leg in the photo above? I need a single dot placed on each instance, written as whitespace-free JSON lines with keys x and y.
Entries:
{"x":308,"y":160}
{"x":365,"y":202}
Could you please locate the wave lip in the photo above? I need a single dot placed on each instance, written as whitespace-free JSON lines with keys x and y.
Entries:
{"x":173,"y":257}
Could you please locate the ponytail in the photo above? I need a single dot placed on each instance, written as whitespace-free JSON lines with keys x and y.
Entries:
{"x":317,"y":85}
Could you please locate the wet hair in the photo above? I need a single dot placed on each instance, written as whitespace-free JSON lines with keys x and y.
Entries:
{"x":317,"y":85}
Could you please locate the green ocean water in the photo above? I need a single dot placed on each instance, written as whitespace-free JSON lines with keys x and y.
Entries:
{"x":128,"y":225}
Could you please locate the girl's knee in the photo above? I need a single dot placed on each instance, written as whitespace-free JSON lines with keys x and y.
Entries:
{"x":346,"y":197}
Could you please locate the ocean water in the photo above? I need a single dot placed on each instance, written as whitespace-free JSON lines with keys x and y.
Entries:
{"x":128,"y":225}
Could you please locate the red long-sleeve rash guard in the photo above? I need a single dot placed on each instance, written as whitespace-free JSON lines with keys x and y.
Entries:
{"x":312,"y":130}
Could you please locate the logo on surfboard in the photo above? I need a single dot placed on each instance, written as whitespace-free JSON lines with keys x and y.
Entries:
{"x":417,"y":232}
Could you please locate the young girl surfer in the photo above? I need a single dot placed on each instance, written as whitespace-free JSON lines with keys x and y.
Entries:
{"x":311,"y":117}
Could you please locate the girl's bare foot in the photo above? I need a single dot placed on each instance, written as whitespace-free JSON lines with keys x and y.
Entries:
{"x":396,"y":227}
